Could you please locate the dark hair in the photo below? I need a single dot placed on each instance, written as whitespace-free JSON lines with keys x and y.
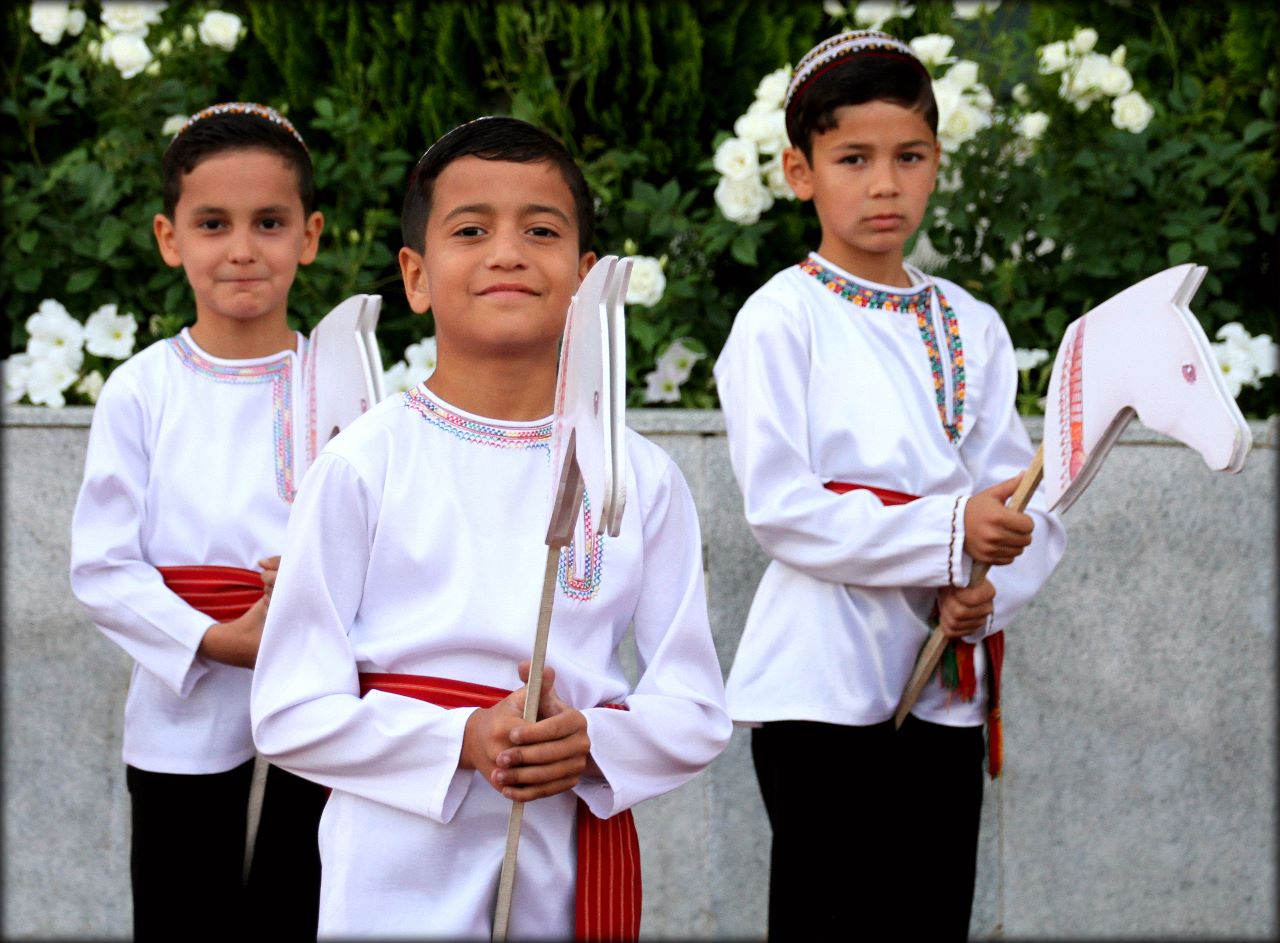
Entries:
{"x":857,"y":79}
{"x":493,"y":138}
{"x":233,"y":132}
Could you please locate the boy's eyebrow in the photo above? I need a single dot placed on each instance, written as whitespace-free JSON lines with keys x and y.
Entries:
{"x":489,"y":209}
{"x":211,"y":208}
{"x":860,"y":146}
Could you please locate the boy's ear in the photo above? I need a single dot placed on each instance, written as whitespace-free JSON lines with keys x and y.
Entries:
{"x":413,"y":272}
{"x":162,"y":226}
{"x":584,"y":264}
{"x":311,"y":238}
{"x":795,"y":167}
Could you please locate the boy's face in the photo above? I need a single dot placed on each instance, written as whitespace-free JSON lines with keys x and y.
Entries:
{"x":501,"y":261}
{"x":239,"y":232}
{"x":870,"y":181}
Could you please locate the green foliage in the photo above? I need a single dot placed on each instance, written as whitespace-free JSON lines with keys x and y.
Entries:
{"x":642,"y":93}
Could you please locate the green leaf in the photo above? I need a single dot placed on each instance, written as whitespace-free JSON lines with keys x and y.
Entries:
{"x":27,"y":241}
{"x":1179,"y":252}
{"x":82,"y":279}
{"x":743,"y":249}
{"x":1256,"y":129}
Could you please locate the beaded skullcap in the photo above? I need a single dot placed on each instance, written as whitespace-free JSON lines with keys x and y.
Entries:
{"x":833,"y":50}
{"x":242,"y":108}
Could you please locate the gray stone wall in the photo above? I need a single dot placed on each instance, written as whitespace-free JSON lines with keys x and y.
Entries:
{"x":1139,"y":794}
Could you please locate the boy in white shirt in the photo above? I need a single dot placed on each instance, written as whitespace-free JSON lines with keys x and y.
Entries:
{"x":872,"y":429}
{"x":412,"y":574}
{"x":194,"y":454}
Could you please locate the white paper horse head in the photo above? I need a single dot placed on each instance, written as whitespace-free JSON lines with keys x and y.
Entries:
{"x":1141,"y":351}
{"x":590,"y":422}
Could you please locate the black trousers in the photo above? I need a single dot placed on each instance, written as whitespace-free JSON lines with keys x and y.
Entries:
{"x":187,"y":848}
{"x":875,"y":831}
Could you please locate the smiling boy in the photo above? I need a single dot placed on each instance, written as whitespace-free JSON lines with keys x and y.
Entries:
{"x":412,"y":574}
{"x":193,"y":455}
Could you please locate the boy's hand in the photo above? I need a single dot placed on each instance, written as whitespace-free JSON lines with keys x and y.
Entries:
{"x":522,"y":760}
{"x":236,"y":642}
{"x":270,"y":567}
{"x":993,"y":533}
{"x":965,"y":610}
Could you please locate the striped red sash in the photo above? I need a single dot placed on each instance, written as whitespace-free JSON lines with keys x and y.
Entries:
{"x":222,"y":593}
{"x":993,"y":643}
{"x":608,"y":892}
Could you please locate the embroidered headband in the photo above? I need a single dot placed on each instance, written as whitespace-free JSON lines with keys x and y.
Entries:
{"x":835,"y":49}
{"x":242,"y":108}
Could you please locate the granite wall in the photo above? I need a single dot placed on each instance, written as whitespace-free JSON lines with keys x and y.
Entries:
{"x":1139,"y":794}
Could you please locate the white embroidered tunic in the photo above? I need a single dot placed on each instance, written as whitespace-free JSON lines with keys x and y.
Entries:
{"x":417,"y":547}
{"x":192,"y":460}
{"x":826,"y":377}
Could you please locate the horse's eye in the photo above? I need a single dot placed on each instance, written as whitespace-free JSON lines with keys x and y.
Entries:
{"x":1189,"y":372}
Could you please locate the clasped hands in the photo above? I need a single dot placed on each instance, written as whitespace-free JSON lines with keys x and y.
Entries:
{"x":524,"y":760}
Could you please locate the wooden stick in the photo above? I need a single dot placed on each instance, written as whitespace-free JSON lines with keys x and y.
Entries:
{"x":507,"y":877}
{"x":931,"y":652}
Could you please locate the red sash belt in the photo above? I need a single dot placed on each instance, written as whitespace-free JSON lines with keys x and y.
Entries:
{"x":222,"y":593}
{"x":608,"y":891}
{"x":967,"y":680}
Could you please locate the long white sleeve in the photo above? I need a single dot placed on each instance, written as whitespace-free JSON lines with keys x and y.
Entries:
{"x":308,"y":715}
{"x":763,"y":376}
{"x":123,"y":593}
{"x":676,"y":722}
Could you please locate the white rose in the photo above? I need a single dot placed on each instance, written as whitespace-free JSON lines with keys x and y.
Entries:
{"x":188,"y":34}
{"x":53,"y":334}
{"x":737,"y":159}
{"x":50,"y":20}
{"x":1084,"y":40}
{"x":833,"y":9}
{"x":677,"y":361}
{"x":647,"y":282}
{"x":1118,"y":54}
{"x":1260,"y":351}
{"x":873,"y":14}
{"x":126,"y":52}
{"x":109,"y":334}
{"x":164,"y":47}
{"x":220,"y":29}
{"x":661,"y":387}
{"x":135,"y":18}
{"x":776,"y":180}
{"x":1029,"y":359}
{"x":1054,"y":58}
{"x":91,"y":385}
{"x":742,"y":201}
{"x":963,"y":124}
{"x":1089,"y":74}
{"x":965,"y":10}
{"x":173,"y":124}
{"x":754,"y":126}
{"x":1021,"y":94}
{"x":963,"y":74}
{"x":1046,"y":246}
{"x":933,"y":48}
{"x":1115,"y":80}
{"x":1032,"y":125}
{"x":47,"y":379}
{"x":1236,"y":366}
{"x":773,"y":87}
{"x":16,"y":370}
{"x":1131,"y":113}
{"x":421,"y":358}
{"x":395,"y":379}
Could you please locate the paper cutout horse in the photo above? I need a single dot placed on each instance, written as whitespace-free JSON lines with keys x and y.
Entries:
{"x":1141,"y":352}
{"x":344,"y":370}
{"x":589,"y":465}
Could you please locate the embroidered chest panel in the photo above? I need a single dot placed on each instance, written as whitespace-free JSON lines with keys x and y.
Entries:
{"x":583,"y":588}
{"x":279,"y":373}
{"x":917,"y":303}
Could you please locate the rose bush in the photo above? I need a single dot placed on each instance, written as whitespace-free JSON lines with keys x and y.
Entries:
{"x":1087,"y":146}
